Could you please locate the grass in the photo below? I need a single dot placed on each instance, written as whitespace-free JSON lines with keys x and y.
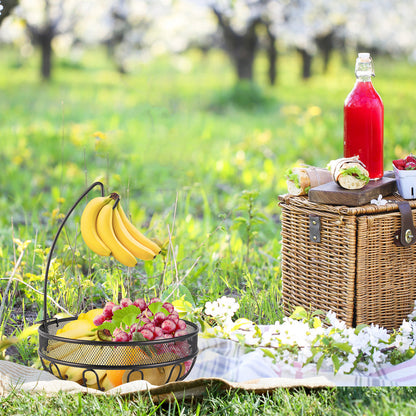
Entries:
{"x":193,"y":154}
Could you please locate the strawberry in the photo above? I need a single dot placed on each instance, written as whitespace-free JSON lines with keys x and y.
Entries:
{"x":410,"y":165}
{"x":399,"y":163}
{"x":410,"y":158}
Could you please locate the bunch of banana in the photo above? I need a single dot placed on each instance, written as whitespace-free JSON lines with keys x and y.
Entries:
{"x":107,"y":230}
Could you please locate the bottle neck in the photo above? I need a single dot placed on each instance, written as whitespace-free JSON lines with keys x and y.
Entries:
{"x":364,"y":70}
{"x":364,"y":78}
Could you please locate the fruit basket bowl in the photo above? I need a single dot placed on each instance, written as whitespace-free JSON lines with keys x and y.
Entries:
{"x":104,"y":364}
{"x":92,"y":363}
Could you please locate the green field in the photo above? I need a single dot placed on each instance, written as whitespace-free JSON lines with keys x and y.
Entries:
{"x":195,"y":157}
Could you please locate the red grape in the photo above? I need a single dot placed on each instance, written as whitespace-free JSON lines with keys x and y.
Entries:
{"x":147,"y":333}
{"x":99,"y":319}
{"x":168,"y":326}
{"x":125,"y":302}
{"x":149,"y":326}
{"x":122,"y":337}
{"x":169,"y":307}
{"x":158,"y":331}
{"x":140,"y":303}
{"x":116,"y":308}
{"x":180,"y":332}
{"x":159,"y":318}
{"x":108,"y":309}
{"x":181,"y":324}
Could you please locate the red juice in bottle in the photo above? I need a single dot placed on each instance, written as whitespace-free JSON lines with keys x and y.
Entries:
{"x":364,"y":120}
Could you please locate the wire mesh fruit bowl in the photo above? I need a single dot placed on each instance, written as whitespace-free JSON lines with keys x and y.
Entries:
{"x":104,"y":364}
{"x":158,"y":361}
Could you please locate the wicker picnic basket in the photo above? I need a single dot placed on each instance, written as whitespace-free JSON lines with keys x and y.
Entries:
{"x":350,"y":260}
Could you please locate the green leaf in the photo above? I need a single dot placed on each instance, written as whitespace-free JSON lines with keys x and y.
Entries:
{"x":320,"y":362}
{"x":268,"y":353}
{"x":120,"y":314}
{"x":355,"y":171}
{"x":157,"y":307}
{"x":129,"y":319}
{"x":138,"y":336}
{"x":325,"y":341}
{"x":299,"y":313}
{"x":317,"y":323}
{"x":239,"y":221}
{"x":336,"y":362}
{"x":106,"y":325}
{"x":359,"y":328}
{"x":343,"y":346}
{"x":181,"y":292}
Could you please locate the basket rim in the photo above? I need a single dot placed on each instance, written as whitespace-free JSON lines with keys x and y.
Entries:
{"x":47,"y":335}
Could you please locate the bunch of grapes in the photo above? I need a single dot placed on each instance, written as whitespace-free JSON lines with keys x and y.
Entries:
{"x":151,"y":326}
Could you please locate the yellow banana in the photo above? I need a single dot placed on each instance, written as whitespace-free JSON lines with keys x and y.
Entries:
{"x":90,"y":315}
{"x":139,"y":236}
{"x":74,"y":374}
{"x":86,"y":375}
{"x":76,"y":329}
{"x":57,"y":370}
{"x":91,"y":377}
{"x":135,"y":247}
{"x":106,"y":233}
{"x":88,"y":226}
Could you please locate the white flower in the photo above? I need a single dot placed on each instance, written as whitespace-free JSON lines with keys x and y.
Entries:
{"x":379,"y":201}
{"x":377,"y":335}
{"x":222,"y":308}
{"x":402,"y":343}
{"x":378,"y":357}
{"x":406,"y":328}
{"x":210,"y":308}
{"x":348,"y":365}
{"x":294,"y":342}
{"x":412,"y":315}
{"x":334,"y":321}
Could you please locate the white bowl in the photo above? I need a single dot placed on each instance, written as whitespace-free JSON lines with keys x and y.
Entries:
{"x":406,"y":182}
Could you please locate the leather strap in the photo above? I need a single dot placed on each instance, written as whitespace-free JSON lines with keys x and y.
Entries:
{"x":406,"y":236}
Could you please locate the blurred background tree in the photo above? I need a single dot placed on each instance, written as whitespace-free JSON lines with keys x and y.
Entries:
{"x":134,"y":31}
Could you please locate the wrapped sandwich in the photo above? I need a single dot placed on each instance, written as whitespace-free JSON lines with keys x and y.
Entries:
{"x":349,"y":172}
{"x":300,"y":180}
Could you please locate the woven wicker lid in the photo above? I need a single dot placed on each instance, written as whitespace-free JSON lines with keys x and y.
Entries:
{"x":303,"y":202}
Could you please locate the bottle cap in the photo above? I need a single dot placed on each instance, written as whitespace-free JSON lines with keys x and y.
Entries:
{"x":364,"y":57}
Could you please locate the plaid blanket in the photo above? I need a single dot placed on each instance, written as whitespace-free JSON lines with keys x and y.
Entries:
{"x":227,"y":360}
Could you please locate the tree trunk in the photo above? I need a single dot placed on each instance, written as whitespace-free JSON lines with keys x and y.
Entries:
{"x":306,"y":63}
{"x":243,"y":54}
{"x":272,"y":56}
{"x":45,"y":42}
{"x":240,"y":48}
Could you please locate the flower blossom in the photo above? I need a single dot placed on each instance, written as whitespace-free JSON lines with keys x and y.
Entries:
{"x":223,"y":307}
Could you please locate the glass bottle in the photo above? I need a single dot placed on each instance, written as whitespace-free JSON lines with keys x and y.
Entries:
{"x":364,"y":119}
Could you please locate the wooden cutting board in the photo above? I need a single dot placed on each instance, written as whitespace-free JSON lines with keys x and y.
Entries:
{"x":331,"y":193}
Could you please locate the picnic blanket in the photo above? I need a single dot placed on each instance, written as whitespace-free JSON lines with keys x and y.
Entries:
{"x":221,"y":364}
{"x":227,"y":360}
